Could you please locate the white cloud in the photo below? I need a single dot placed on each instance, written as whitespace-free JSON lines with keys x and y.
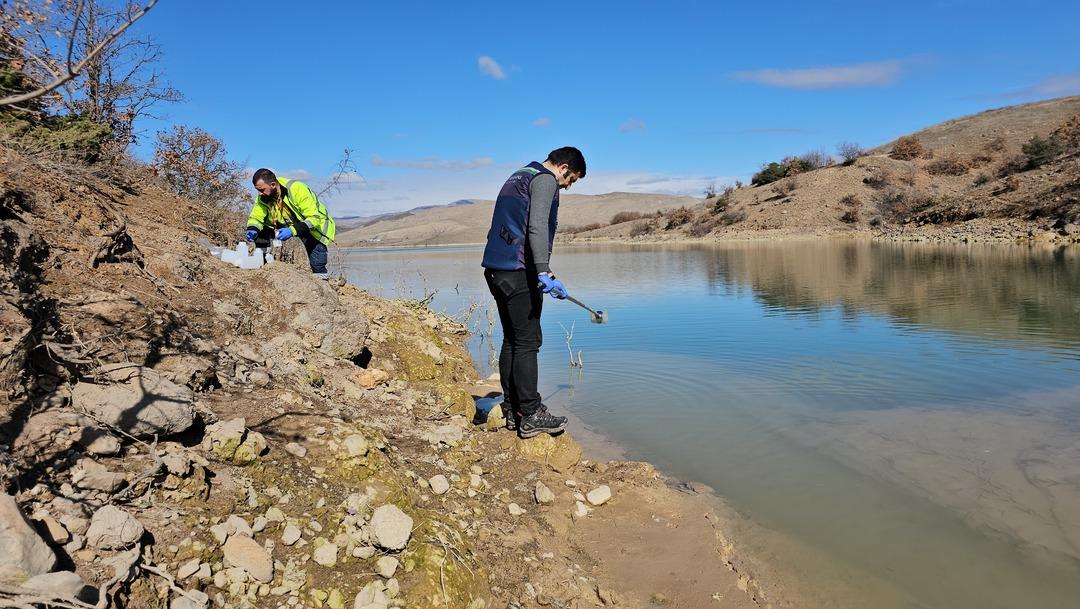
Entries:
{"x":873,"y":74}
{"x":632,"y":125}
{"x":432,"y":163}
{"x":543,"y":121}
{"x":491,"y":67}
{"x":648,"y":182}
{"x":1054,"y":86}
{"x":298,"y":174}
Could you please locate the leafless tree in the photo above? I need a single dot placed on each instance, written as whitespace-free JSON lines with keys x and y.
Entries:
{"x":346,"y":172}
{"x":77,"y":48}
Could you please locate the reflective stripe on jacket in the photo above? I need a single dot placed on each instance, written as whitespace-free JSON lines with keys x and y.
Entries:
{"x":298,"y":204}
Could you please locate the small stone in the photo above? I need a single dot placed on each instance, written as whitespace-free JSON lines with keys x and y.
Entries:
{"x":476,"y":469}
{"x":91,"y":475}
{"x":335,"y":600}
{"x":245,"y":553}
{"x":112,"y":528}
{"x":386,"y":566}
{"x":571,"y":483}
{"x":606,"y":596}
{"x":393,"y":587}
{"x":238,"y":526}
{"x":599,"y":495}
{"x":371,"y":378}
{"x":356,"y":445}
{"x":259,"y":525}
{"x":220,"y":532}
{"x":296,"y":450}
{"x":290,"y":535}
{"x":63,"y":583}
{"x":580,"y":510}
{"x":364,"y":552}
{"x":204,"y":573}
{"x":275,"y":514}
{"x":515,"y":509}
{"x":191,"y":599}
{"x":439,"y":484}
{"x":391,"y":527}
{"x":475,"y":481}
{"x":543,"y":494}
{"x":188,"y":569}
{"x":372,"y":596}
{"x":53,"y":531}
{"x":325,"y":552}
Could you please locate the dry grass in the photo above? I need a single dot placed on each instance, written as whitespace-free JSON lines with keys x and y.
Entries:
{"x":908,"y":148}
{"x":950,"y":164}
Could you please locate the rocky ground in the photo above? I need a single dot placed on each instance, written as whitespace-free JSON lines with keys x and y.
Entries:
{"x":180,"y":433}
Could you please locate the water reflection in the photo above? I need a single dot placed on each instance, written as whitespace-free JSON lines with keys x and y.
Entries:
{"x":903,"y":416}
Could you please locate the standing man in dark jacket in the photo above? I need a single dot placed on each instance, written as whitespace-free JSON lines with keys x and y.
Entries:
{"x":516,"y":266}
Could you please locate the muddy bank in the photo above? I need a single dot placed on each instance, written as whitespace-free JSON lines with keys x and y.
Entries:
{"x":180,"y":433}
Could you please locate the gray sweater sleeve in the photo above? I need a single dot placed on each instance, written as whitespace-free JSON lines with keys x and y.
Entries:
{"x":541,"y":194}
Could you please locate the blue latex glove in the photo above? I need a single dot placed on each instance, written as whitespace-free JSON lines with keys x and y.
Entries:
{"x":284,"y":233}
{"x":251,"y":234}
{"x":550,"y":285}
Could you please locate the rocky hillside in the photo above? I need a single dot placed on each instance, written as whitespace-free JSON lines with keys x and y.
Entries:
{"x":180,"y":433}
{"x":1006,"y":174}
{"x":469,"y":223}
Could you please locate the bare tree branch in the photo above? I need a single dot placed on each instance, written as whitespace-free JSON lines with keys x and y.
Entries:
{"x":72,"y":72}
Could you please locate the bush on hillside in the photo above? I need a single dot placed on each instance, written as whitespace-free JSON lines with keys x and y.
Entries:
{"x":643,"y":228}
{"x":769,"y":174}
{"x":573,"y":230}
{"x":625,"y":216}
{"x":948,"y":164}
{"x":907,"y":148}
{"x":724,"y":199}
{"x":1040,"y":151}
{"x":197,"y":167}
{"x":849,"y":152}
{"x":732,"y":216}
{"x":678,"y":217}
{"x":703,"y":225}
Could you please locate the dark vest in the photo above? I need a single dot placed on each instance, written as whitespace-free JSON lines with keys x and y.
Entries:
{"x":506,"y":248}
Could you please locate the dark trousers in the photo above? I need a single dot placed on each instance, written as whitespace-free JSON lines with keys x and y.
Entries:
{"x":316,"y":250}
{"x":519,"y":301}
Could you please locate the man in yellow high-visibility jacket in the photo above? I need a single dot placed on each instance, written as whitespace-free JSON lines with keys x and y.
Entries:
{"x":285,"y":208}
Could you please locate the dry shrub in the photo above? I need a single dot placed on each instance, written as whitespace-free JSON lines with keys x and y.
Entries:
{"x":996,"y":144}
{"x":724,"y":199}
{"x":949,"y":164}
{"x":897,"y":204}
{"x":1011,"y":184}
{"x":787,"y":186}
{"x":573,"y":230}
{"x":703,"y":225}
{"x":678,"y":217}
{"x":849,"y":152}
{"x":643,"y":228}
{"x":851,"y":214}
{"x":732,"y":216}
{"x":625,"y":216}
{"x":981,"y":179}
{"x":908,"y":148}
{"x":879,"y":178}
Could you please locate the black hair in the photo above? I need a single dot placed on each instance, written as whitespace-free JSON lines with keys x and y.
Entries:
{"x":570,"y":156}
{"x":265,"y":175}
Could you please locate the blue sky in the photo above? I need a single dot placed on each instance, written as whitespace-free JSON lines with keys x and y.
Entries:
{"x":440,"y":101}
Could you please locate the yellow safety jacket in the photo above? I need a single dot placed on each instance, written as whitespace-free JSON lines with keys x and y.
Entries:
{"x":298,"y":205}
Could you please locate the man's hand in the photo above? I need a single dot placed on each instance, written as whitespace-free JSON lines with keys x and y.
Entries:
{"x":550,"y":285}
{"x":284,"y":233}
{"x":251,"y":234}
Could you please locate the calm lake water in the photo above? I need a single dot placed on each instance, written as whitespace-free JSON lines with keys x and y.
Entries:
{"x":899,"y":422}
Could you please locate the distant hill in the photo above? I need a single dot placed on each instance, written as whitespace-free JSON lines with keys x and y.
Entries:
{"x":468,"y":221}
{"x":981,"y":177}
{"x":970,"y":178}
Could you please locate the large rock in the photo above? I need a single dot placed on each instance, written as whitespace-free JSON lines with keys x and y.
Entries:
{"x":321,"y":319}
{"x":391,"y":527}
{"x":23,"y":553}
{"x":112,"y":528}
{"x":560,"y":453}
{"x":63,"y":583}
{"x":137,"y":400}
{"x":245,"y":553}
{"x":232,"y":442}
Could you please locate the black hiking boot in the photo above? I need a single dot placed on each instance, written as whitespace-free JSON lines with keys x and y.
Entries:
{"x":540,"y":422}
{"x":510,"y":416}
